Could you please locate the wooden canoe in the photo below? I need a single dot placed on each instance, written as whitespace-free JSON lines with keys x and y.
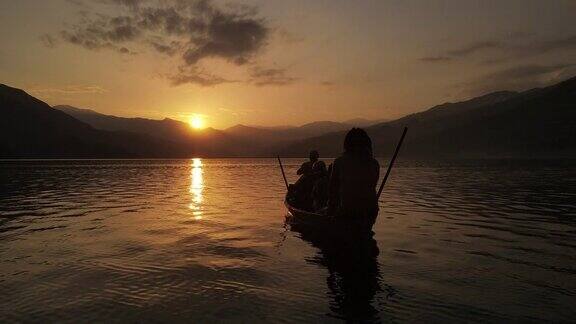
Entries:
{"x":306,"y":218}
{"x":324,"y":224}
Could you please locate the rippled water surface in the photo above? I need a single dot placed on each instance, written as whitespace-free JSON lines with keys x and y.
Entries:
{"x":206,"y":240}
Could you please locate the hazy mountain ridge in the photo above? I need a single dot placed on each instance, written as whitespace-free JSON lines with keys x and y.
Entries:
{"x":166,"y":128}
{"x":275,"y":136}
{"x":174,"y":129}
{"x":30,"y":128}
{"x":208,"y":142}
{"x":533,"y":123}
{"x":363,"y":122}
{"x":236,"y":140}
{"x":288,"y":133}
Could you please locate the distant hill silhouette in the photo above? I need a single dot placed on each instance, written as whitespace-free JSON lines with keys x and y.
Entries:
{"x":206,"y":142}
{"x":534,"y":123}
{"x":273,"y":136}
{"x":363,"y":122}
{"x":166,"y":128}
{"x":29,"y":128}
{"x":234,"y":141}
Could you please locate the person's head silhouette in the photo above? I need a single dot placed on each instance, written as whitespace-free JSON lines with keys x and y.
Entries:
{"x":357,"y":142}
{"x":314,"y":156}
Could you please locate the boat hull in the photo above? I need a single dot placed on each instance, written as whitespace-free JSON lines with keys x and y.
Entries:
{"x":320,"y":224}
{"x":306,"y":218}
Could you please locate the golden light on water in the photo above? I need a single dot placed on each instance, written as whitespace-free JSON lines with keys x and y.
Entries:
{"x":196,"y":122}
{"x":196,"y":187}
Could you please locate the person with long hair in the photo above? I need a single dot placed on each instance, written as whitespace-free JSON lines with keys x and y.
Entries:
{"x":352,"y":187}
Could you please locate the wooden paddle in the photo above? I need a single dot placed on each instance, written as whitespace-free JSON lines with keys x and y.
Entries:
{"x":392,"y":161}
{"x":283,"y":174}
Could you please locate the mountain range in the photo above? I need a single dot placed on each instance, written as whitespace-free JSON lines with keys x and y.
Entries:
{"x":237,"y":140}
{"x":537,"y":123}
{"x":208,"y":142}
{"x":29,"y":128}
{"x":534,"y":123}
{"x":172,"y":128}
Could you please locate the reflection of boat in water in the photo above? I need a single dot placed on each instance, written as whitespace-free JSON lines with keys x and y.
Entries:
{"x":351,"y":260}
{"x":350,"y":254}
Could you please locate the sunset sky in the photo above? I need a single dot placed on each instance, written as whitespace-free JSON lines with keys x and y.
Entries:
{"x":273,"y":62}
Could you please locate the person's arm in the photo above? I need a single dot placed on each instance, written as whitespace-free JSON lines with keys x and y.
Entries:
{"x":301,"y":169}
{"x":333,"y":189}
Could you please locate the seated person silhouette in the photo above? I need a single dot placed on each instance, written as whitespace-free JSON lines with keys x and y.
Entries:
{"x":352,"y":186}
{"x":306,"y":167}
{"x":301,"y":191}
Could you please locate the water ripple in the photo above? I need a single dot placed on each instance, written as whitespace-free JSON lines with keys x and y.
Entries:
{"x":205,"y":241}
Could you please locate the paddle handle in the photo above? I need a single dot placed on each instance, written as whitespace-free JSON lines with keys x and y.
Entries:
{"x":392,"y":161}
{"x":283,"y":174}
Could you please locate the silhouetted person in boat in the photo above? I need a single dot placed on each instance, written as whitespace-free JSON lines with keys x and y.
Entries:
{"x":320,"y":189}
{"x":301,"y":191}
{"x":306,"y":167}
{"x":352,"y":187}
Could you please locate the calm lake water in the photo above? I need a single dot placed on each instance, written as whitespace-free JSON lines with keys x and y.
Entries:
{"x":206,"y":241}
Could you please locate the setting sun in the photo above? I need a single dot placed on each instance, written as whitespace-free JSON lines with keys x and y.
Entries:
{"x":196,"y":122}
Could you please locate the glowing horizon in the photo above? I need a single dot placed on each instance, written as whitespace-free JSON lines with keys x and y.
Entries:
{"x":197,"y":122}
{"x":278,"y":62}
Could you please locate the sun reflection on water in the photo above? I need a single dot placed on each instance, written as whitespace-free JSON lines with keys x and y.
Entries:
{"x":196,"y":187}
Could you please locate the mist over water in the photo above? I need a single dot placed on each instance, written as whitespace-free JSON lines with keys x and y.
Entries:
{"x":206,"y":240}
